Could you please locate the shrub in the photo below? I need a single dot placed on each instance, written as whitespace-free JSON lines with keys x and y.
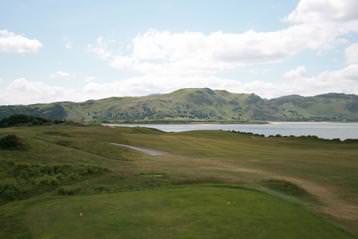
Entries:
{"x":11,"y":142}
{"x":23,"y":120}
{"x":47,"y":181}
{"x":351,"y":141}
{"x":9,"y":191}
{"x":68,"y":190}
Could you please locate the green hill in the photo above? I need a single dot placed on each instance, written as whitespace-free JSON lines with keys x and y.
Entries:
{"x":198,"y":105}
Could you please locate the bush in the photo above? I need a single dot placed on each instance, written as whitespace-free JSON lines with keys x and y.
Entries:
{"x":68,"y":190}
{"x":11,"y":142}
{"x":22,"y":120}
{"x":47,"y":181}
{"x":10,"y":191}
{"x":351,"y":141}
{"x":26,"y":120}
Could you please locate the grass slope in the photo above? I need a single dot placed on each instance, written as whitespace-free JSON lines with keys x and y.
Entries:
{"x":304,"y":189}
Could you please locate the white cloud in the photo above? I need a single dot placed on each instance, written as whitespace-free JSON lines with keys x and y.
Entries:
{"x":296,"y":73}
{"x":158,"y":52}
{"x":167,"y":61}
{"x":60,"y":75}
{"x":313,"y":24}
{"x":313,"y":11}
{"x":170,"y":60}
{"x":344,"y":80}
{"x":145,"y":85}
{"x":296,"y":81}
{"x":351,"y":54}
{"x":11,"y":42}
{"x":23,"y":91}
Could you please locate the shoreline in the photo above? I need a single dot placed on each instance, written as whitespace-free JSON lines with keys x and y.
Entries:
{"x":185,"y":122}
{"x":224,"y":122}
{"x":323,"y":130}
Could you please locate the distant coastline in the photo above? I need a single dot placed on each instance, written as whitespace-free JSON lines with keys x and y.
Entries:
{"x":324,"y":130}
{"x":217,"y":122}
{"x":186,"y":122}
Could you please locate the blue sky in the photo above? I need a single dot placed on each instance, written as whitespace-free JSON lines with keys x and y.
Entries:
{"x":77,"y":50}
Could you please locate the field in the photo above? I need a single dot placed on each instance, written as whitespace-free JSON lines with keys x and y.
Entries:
{"x":72,"y":182}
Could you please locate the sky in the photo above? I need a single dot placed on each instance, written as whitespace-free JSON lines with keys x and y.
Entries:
{"x":79,"y":50}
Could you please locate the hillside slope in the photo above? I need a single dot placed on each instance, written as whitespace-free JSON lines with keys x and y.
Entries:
{"x":198,"y":105}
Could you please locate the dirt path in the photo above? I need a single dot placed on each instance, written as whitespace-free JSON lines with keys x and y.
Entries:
{"x":333,"y":204}
{"x":150,"y":152}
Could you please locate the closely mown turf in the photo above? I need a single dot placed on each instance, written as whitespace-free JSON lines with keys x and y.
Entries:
{"x":188,"y":212}
{"x":70,"y":182}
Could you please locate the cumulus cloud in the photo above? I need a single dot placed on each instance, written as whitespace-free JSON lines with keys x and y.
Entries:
{"x":295,"y":81}
{"x":170,"y":60}
{"x":313,"y":24}
{"x":195,"y":52}
{"x":12,"y":42}
{"x":344,"y":80}
{"x":23,"y":91}
{"x":313,"y":11}
{"x":298,"y":81}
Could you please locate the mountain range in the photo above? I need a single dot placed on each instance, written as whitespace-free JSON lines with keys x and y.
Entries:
{"x":197,"y":104}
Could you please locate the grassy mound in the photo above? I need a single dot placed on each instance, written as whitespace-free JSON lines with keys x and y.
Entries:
{"x":189,"y":212}
{"x":287,"y":188}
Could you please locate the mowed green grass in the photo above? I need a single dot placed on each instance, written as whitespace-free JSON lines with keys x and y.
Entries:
{"x":308,"y":187}
{"x":185,"y":212}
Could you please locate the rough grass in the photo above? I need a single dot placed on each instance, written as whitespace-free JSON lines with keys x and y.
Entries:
{"x":23,"y":180}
